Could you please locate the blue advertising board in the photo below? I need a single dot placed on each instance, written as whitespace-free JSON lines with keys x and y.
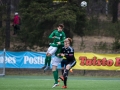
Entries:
{"x":24,"y":59}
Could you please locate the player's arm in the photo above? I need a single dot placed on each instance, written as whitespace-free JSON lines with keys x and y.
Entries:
{"x":52,"y":35}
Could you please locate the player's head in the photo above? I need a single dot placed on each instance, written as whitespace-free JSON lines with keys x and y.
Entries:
{"x":60,"y":27}
{"x":67,"y":42}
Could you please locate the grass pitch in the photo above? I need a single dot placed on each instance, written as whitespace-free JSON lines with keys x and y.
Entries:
{"x":46,"y":83}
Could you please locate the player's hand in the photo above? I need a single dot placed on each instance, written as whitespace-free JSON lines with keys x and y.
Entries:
{"x":62,"y":54}
{"x":58,"y":43}
{"x":58,"y":54}
{"x":54,"y":37}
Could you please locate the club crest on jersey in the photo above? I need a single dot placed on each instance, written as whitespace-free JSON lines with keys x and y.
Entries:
{"x":60,"y":34}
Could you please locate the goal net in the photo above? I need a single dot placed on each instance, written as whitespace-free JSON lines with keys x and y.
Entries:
{"x":2,"y":63}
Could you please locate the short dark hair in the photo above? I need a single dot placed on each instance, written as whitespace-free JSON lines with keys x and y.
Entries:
{"x":61,"y":25}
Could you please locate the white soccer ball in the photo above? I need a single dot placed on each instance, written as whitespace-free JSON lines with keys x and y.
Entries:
{"x":83,"y":4}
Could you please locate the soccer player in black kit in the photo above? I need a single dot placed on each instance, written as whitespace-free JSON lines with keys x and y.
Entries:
{"x":68,"y":53}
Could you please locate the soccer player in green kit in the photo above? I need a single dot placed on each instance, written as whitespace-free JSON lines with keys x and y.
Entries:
{"x":58,"y":37}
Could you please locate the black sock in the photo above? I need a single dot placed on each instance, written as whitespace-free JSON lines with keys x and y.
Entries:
{"x":65,"y":74}
{"x":62,"y":71}
{"x":65,"y":81}
{"x":65,"y":77}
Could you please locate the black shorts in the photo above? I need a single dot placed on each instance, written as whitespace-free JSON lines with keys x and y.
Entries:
{"x":63,"y":63}
{"x":72,"y":63}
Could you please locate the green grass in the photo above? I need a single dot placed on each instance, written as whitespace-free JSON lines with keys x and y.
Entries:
{"x":46,"y":83}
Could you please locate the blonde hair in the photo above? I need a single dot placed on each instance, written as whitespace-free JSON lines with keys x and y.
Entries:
{"x":68,"y":39}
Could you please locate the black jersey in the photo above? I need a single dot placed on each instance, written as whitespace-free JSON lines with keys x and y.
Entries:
{"x":69,"y":53}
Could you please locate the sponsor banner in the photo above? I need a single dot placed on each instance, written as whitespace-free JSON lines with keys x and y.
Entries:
{"x":23,"y":59}
{"x":85,"y":61}
{"x":92,"y":61}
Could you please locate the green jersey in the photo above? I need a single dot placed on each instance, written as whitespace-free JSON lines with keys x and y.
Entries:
{"x":60,"y":37}
{"x":58,"y":51}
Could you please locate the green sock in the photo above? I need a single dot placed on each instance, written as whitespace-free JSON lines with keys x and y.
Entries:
{"x":49,"y":60}
{"x":46,"y":60}
{"x":55,"y":74}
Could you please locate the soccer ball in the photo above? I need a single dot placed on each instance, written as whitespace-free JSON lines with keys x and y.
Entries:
{"x":83,"y":4}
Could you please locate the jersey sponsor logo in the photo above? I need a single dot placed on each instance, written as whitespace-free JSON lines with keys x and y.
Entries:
{"x":70,"y":54}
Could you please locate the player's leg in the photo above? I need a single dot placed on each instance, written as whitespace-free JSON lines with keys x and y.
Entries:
{"x":55,"y":63}
{"x":63,"y":64}
{"x":46,"y":58}
{"x":49,"y":60}
{"x":50,"y":52}
{"x":45,"y":63}
{"x":55,"y":74}
{"x":65,"y":75}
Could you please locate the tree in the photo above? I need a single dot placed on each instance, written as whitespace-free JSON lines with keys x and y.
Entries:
{"x":39,"y":17}
{"x":115,"y":11}
{"x":1,"y":12}
{"x":0,"y":16}
{"x":7,"y":35}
